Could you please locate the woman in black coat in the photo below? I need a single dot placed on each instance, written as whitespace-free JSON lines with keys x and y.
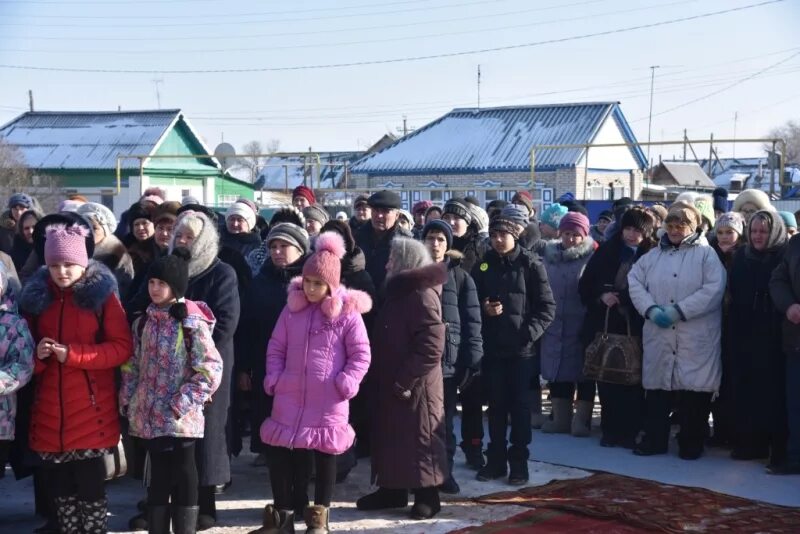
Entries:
{"x":757,"y":358}
{"x":23,"y":239}
{"x":603,"y":288}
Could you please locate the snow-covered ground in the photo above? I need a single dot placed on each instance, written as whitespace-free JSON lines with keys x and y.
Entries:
{"x":553,"y":457}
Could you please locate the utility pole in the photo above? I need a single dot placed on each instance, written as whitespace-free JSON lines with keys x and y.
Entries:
{"x":30,"y":99}
{"x":710,"y":155}
{"x":479,"y":86}
{"x":735,"y":120}
{"x":684,"y":144}
{"x":157,"y":82}
{"x":650,"y":116}
{"x":405,"y":129}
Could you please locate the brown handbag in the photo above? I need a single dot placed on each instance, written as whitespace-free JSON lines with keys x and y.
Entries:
{"x":614,"y":358}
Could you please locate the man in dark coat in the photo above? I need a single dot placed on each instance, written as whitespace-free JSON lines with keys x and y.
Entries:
{"x":375,"y":238}
{"x":461,"y":313}
{"x":518,"y":306}
{"x":361,"y":213}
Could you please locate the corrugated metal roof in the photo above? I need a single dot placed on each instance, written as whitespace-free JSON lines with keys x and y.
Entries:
{"x":688,"y":174}
{"x":496,"y":140}
{"x":86,"y":140}
{"x":303,"y":169}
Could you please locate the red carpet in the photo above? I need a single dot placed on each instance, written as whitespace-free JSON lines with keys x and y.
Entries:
{"x":640,"y":504}
{"x":546,"y":521}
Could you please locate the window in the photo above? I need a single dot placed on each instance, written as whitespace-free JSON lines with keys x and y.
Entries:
{"x":226,"y":200}
{"x":107,"y":199}
{"x":490,"y":195}
{"x":186,"y":193}
{"x":437,"y":196}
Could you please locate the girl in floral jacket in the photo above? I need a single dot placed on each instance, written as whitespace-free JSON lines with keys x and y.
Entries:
{"x":16,"y":364}
{"x":174,"y":371}
{"x":317,"y":356}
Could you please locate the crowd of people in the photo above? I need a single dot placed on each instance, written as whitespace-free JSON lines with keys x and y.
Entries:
{"x":170,"y":336}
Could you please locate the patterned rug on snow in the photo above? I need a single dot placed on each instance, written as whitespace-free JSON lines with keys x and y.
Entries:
{"x":650,"y":505}
{"x":548,"y":521}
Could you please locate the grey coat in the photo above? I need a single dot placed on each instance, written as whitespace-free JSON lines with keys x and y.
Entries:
{"x":562,"y":350}
{"x":685,"y":356}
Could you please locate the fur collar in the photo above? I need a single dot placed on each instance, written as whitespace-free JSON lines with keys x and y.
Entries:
{"x":343,"y":302}
{"x":110,"y":251}
{"x":554,"y":253}
{"x":89,"y":293}
{"x":692,"y":240}
{"x":411,"y":280}
{"x":354,"y":262}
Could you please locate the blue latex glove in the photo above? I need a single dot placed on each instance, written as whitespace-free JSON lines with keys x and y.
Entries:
{"x":664,"y":317}
{"x":673,"y":313}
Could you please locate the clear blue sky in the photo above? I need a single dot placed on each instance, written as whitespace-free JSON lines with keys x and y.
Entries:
{"x":350,"y":107}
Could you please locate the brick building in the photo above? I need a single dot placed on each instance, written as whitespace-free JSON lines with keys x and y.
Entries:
{"x":486,"y":152}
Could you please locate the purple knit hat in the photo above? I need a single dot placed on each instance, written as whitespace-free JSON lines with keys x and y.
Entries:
{"x":574,"y":222}
{"x":66,"y":244}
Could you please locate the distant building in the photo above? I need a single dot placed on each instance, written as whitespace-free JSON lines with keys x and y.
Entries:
{"x":82,"y":150}
{"x":737,"y":174}
{"x":486,"y":153}
{"x":679,"y":176}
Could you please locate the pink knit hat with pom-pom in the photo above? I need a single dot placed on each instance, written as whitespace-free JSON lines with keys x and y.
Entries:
{"x":66,"y":244}
{"x":325,"y":263}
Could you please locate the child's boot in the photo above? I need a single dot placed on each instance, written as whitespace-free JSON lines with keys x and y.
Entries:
{"x":582,"y":420}
{"x":158,"y":519}
{"x":184,"y":519}
{"x":562,"y":417}
{"x":95,"y":516}
{"x":316,"y":517}
{"x":276,"y":521}
{"x":68,"y":514}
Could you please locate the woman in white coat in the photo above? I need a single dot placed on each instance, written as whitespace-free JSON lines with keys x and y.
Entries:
{"x":678,"y":288}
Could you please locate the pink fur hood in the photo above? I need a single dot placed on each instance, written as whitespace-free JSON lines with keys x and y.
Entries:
{"x":343,"y":300}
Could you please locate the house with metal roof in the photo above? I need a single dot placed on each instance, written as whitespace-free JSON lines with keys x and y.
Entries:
{"x":681,"y":175}
{"x":491,"y":152}
{"x":112,"y":157}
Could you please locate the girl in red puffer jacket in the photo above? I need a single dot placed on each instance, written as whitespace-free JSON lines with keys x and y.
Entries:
{"x":82,"y":335}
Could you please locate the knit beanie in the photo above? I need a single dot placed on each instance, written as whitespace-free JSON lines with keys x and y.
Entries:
{"x":756,"y":197}
{"x":720,"y":195}
{"x":684,"y":213}
{"x":421,"y":207}
{"x":788,"y":219}
{"x":137,"y":211}
{"x":438,"y":225}
{"x":502,"y":224}
{"x":552,"y":215}
{"x":659,"y":210}
{"x":66,"y":244}
{"x":639,"y":219}
{"x":104,"y":217}
{"x":189,"y":199}
{"x":515,"y":214}
{"x":360,"y":199}
{"x":315,"y":212}
{"x":291,"y":233}
{"x":244,"y":211}
{"x":174,"y":270}
{"x":458,"y":207}
{"x":407,"y":253}
{"x":607,"y":215}
{"x":305,"y":192}
{"x":574,"y":222}
{"x":494,"y":207}
{"x":326,"y":262}
{"x":288,"y":214}
{"x":732,"y":220}
{"x":479,"y":217}
{"x":343,"y":229}
{"x":432,"y":209}
{"x":705,"y":205}
{"x":523,"y":198}
{"x":405,"y":214}
{"x":20,"y":199}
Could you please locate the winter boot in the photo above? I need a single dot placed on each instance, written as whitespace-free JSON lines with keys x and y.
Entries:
{"x":474,"y":455}
{"x":496,"y":467}
{"x":450,"y":486}
{"x":426,"y":503}
{"x":276,"y":522}
{"x":537,"y":417}
{"x":562,"y":417}
{"x":95,"y":516}
{"x":383,"y":499}
{"x":158,"y":519}
{"x":518,"y":472}
{"x":316,"y":517}
{"x":582,"y":420}
{"x":138,"y":522}
{"x":184,"y":519}
{"x":68,"y":514}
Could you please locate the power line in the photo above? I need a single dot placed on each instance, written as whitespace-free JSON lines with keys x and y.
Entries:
{"x":448,"y":20}
{"x":351,"y":43}
{"x":392,"y":60}
{"x":726,"y":88}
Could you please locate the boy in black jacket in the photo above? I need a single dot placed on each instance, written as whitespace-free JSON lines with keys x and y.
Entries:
{"x":517,"y":306}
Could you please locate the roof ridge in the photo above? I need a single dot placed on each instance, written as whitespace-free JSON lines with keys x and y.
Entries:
{"x":533,"y":106}
{"x":170,"y":111}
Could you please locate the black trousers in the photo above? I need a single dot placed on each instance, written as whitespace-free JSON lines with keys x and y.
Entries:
{"x":621,"y":410}
{"x":566,"y":390}
{"x":83,"y":479}
{"x":509,"y":385}
{"x":692,"y":409}
{"x":173,"y":475}
{"x":450,"y":401}
{"x":5,"y":448}
{"x":472,"y":400}
{"x":289,"y":475}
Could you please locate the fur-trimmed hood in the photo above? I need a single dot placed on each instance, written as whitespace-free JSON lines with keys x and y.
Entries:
{"x":343,"y":301}
{"x":432,"y":275}
{"x":110,"y":251}
{"x":555,"y":253}
{"x":90,"y":292}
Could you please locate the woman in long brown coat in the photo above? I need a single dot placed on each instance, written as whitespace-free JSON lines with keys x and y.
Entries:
{"x":408,"y":437}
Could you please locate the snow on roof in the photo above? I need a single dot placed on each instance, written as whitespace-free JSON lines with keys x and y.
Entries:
{"x":497,"y":139}
{"x":304,"y":169}
{"x":688,"y":174}
{"x":87,"y":140}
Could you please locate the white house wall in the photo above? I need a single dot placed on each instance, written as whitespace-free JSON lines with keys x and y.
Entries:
{"x":609,"y":158}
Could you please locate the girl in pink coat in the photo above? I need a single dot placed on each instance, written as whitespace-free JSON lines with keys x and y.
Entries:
{"x":316,"y":358}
